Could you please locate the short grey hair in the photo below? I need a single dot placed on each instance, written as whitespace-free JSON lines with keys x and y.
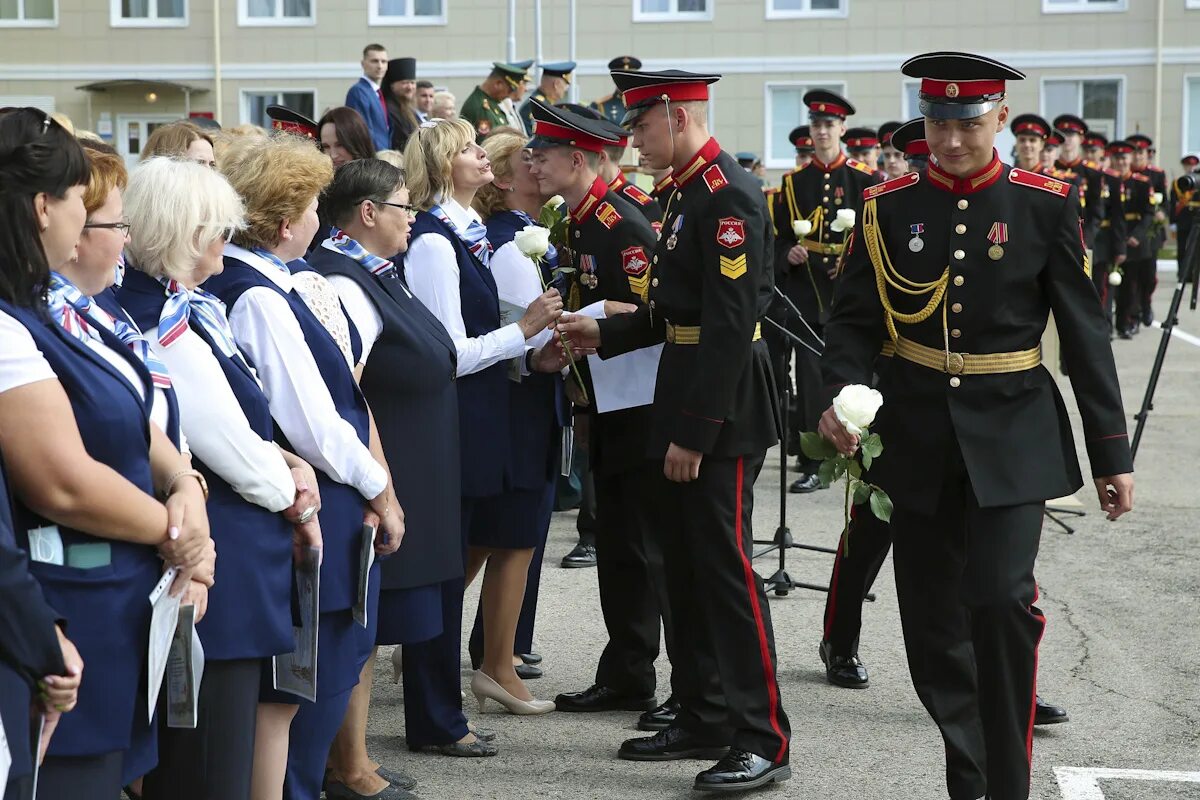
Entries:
{"x":177,"y":209}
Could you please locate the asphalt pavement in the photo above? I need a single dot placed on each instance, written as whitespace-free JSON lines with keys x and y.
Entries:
{"x":1121,"y":650}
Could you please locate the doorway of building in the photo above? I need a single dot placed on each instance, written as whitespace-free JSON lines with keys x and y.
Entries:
{"x":133,"y":130}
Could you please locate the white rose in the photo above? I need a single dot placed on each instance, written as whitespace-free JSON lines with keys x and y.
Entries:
{"x":554,"y":202}
{"x":801,"y":228}
{"x":856,"y":406}
{"x":1114,"y":278}
{"x":844,"y":222}
{"x":533,"y":241}
{"x":1156,"y":199}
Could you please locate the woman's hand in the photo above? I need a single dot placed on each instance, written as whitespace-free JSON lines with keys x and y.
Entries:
{"x":388,"y":518}
{"x":545,"y":309}
{"x":306,"y":535}
{"x":308,"y":496}
{"x":550,"y":357}
{"x":187,"y":526}
{"x":61,"y":692}
{"x":614,"y":307}
{"x":196,"y":594}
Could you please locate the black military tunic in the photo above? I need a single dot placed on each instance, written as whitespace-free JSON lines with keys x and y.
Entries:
{"x":1090,"y":183}
{"x":647,"y":205}
{"x":1184,"y":209}
{"x":1141,"y":266}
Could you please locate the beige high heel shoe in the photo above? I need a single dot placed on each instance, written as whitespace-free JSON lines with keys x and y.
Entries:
{"x":485,"y":688}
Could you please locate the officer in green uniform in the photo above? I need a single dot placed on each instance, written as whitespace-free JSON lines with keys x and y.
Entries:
{"x":556,"y":80}
{"x":958,"y":269}
{"x":612,"y":107}
{"x":482,"y":108}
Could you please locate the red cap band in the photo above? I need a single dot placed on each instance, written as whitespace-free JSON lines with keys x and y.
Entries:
{"x":862,"y":142}
{"x":1072,"y":126}
{"x":829,"y":108}
{"x":931,"y":87}
{"x":1031,"y":127}
{"x":1123,"y":147}
{"x":917,"y":147}
{"x":294,"y":127}
{"x":569,"y":136}
{"x":676,"y":92}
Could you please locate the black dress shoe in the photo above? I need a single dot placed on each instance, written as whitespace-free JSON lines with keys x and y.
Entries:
{"x":1148,"y":318}
{"x":740,"y":770}
{"x":806,"y":483}
{"x":1046,"y":714}
{"x":661,"y":718}
{"x":1123,"y":333}
{"x":602,"y":698}
{"x":476,"y":749}
{"x":526,"y":672}
{"x":532,"y":659}
{"x":845,"y":671}
{"x":583,"y":555}
{"x":672,"y":744}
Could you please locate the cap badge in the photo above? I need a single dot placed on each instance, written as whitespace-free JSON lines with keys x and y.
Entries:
{"x":820,"y":107}
{"x":951,"y":90}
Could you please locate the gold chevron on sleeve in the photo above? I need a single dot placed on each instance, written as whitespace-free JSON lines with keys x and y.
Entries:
{"x":733,"y":268}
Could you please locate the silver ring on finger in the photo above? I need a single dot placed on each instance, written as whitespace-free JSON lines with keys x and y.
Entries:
{"x":307,"y":514}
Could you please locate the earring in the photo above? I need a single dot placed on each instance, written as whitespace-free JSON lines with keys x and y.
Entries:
{"x":45,"y":228}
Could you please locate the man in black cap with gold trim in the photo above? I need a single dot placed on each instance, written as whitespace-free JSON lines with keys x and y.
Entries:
{"x":555,"y":81}
{"x":714,"y":418}
{"x":894,"y":164}
{"x":976,"y":437}
{"x":612,"y":107}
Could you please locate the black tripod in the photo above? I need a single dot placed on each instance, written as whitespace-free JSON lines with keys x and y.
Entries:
{"x":1168,"y":324}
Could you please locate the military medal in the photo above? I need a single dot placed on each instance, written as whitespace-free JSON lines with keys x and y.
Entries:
{"x":998,"y":235}
{"x":838,"y":195}
{"x":916,"y":244}
{"x":673,"y":239}
{"x":587,"y":271}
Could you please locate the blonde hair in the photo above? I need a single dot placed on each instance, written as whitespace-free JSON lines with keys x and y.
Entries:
{"x":107,"y":173}
{"x":177,"y":209}
{"x":227,"y":136}
{"x":278,"y":178}
{"x":429,"y":159}
{"x":446,"y":101}
{"x":499,"y":147}
{"x":173,"y":139}
{"x":63,"y":120}
{"x":393,"y":157}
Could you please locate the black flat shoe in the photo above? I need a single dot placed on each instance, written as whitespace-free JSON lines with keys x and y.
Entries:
{"x":845,"y":671}
{"x":740,"y":770}
{"x":1047,"y":714}
{"x":476,"y":749}
{"x":806,"y":483}
{"x":335,"y":790}
{"x":582,"y":555}
{"x":482,"y":734}
{"x":527,"y":672}
{"x":397,"y":779}
{"x":661,"y":718}
{"x":602,"y":698}
{"x":672,"y":744}
{"x":532,"y":659}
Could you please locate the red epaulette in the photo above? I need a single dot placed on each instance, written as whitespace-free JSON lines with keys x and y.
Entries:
{"x":1046,"y":183}
{"x":635,"y":193}
{"x":903,"y":182}
{"x":1153,"y":168}
{"x":714,"y":178}
{"x":860,"y":166}
{"x":1137,"y":176}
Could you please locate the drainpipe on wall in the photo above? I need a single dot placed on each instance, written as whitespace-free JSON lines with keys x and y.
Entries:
{"x":537,"y":31}
{"x":512,"y":32}
{"x":218,"y":95}
{"x":1158,"y":76}
{"x":574,"y":91}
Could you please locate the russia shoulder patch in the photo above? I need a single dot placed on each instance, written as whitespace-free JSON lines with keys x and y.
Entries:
{"x":1035,"y":181}
{"x":731,"y":232}
{"x":714,"y":178}
{"x":608,"y":215}
{"x":895,"y":184}
{"x":634,"y":261}
{"x":634,"y":193}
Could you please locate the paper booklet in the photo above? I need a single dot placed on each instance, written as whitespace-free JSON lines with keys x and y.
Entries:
{"x":296,"y":672}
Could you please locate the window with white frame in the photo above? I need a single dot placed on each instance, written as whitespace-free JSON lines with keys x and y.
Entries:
{"x":29,"y":13}
{"x":255,"y":102}
{"x":1191,"y":114}
{"x":910,"y":105}
{"x":1099,"y":101}
{"x":147,"y":13}
{"x":407,"y":12}
{"x":1192,"y":4}
{"x":793,"y":9}
{"x":672,"y":10}
{"x":276,"y":12}
{"x":785,"y":110}
{"x":1084,"y":6}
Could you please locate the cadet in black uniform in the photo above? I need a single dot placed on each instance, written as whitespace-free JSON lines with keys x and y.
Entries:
{"x":1184,"y":208}
{"x":801,"y":139}
{"x":862,"y":144}
{"x":714,"y":418}
{"x":1110,"y":246}
{"x":609,"y":245}
{"x":1143,"y":164}
{"x":1137,"y":206}
{"x":975,"y":433}
{"x":1073,"y":169}
{"x":813,"y":195}
{"x":894,"y":164}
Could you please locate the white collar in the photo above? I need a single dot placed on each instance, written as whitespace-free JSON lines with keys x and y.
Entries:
{"x":281,"y":279}
{"x":460,"y":217}
{"x":374,"y":85}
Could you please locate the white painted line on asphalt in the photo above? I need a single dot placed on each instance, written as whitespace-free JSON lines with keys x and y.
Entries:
{"x":1184,"y":335}
{"x":1082,"y":783}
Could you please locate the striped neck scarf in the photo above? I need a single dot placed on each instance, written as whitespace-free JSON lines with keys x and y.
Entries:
{"x":78,"y":314}
{"x":474,"y":237}
{"x":339,"y":242}
{"x":275,"y":260}
{"x":184,"y":307}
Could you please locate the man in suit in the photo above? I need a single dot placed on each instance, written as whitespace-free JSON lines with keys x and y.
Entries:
{"x":366,"y":96}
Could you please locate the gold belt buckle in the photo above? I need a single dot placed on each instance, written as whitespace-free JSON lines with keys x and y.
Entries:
{"x":955,"y":363}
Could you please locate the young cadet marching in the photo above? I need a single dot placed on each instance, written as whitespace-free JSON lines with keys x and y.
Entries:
{"x":975,"y":433}
{"x":710,"y":280}
{"x":609,"y":244}
{"x":1143,"y":164}
{"x":814,"y":195}
{"x":1137,"y":204}
{"x":1072,"y":168}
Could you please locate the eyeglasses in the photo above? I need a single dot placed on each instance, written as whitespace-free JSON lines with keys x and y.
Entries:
{"x":123,"y":227}
{"x":410,"y":210}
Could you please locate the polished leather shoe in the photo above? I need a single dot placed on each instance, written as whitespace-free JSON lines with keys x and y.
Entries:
{"x":1046,"y":714}
{"x":806,"y":483}
{"x":397,"y":779}
{"x":740,"y":770}
{"x":476,"y":749}
{"x":845,"y":671}
{"x":602,"y":698}
{"x":1148,"y":318}
{"x":527,"y":672}
{"x":532,"y":659}
{"x":661,"y":718}
{"x":672,"y":744}
{"x":582,"y":555}
{"x":1124,"y":333}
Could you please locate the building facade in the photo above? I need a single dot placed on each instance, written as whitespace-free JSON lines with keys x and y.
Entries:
{"x":120,"y":67}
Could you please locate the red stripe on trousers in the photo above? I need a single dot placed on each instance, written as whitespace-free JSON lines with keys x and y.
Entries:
{"x":831,"y":612}
{"x":1033,"y":701}
{"x":764,"y":649}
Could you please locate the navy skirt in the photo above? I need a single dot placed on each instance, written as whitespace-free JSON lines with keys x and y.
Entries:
{"x":510,"y":521}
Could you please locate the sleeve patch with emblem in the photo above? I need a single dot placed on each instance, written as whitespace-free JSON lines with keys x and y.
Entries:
{"x":733,"y":268}
{"x":731,"y":232}
{"x":714,"y":178}
{"x":608,"y":215}
{"x":634,"y":261}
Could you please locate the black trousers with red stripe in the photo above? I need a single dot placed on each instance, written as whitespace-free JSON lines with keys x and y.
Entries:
{"x":964,"y":579}
{"x":854,"y":572}
{"x":724,"y":677}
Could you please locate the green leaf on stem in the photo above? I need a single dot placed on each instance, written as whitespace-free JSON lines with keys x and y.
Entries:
{"x":825,"y":473}
{"x":817,"y":447}
{"x":855,"y":469}
{"x":839,"y":466}
{"x":873,"y":445}
{"x":881,"y":504}
{"x":866,"y":459}
{"x":861,"y":491}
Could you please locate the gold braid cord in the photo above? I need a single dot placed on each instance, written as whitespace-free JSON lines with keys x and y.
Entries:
{"x":886,"y":275}
{"x":817,"y":218}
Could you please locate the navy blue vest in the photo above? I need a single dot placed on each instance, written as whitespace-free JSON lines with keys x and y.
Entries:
{"x":249,"y":608}
{"x":483,"y":396}
{"x":106,"y":607}
{"x":341,"y":505}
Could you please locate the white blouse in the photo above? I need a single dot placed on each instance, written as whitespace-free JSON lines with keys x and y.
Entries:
{"x":21,"y":363}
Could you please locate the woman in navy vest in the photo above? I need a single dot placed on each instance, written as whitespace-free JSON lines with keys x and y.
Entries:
{"x":538,"y":407}
{"x":253,"y":484}
{"x":319,"y":414}
{"x":84,"y":460}
{"x":446,"y":266}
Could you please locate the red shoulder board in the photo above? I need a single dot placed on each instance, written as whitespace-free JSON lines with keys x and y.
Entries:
{"x":608,"y":215}
{"x":634,"y":261}
{"x":1137,"y":176}
{"x":903,"y":182}
{"x":714,"y":178}
{"x":635,"y":194}
{"x":1044,"y":182}
{"x":860,"y":166}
